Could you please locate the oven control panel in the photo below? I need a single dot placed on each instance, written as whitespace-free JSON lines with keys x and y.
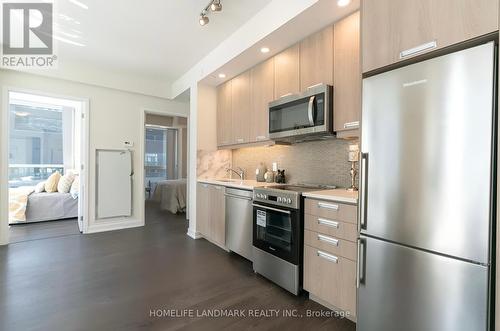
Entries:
{"x":285,"y":199}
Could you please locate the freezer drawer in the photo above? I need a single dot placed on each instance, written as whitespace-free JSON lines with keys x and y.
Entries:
{"x":403,"y":288}
{"x":426,"y":144}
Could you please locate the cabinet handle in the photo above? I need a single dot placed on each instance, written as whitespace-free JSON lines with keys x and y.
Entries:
{"x":328,"y":206}
{"x":261,"y":137}
{"x":329,"y":223}
{"x":286,"y":95}
{"x":240,"y":140}
{"x":418,"y":49}
{"x":351,"y":125}
{"x":328,"y":257}
{"x":327,"y":239}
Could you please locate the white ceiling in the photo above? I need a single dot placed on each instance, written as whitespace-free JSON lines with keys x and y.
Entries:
{"x":160,"y":39}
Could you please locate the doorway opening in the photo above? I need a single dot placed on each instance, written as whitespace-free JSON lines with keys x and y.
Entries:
{"x":45,"y":172}
{"x":165,"y":166}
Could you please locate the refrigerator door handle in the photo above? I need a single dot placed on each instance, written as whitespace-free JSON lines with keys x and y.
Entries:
{"x":361,"y":265}
{"x":363,"y":192}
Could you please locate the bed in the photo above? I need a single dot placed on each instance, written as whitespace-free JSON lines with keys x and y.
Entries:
{"x":50,"y":206}
{"x":25,"y":206}
{"x":171,"y":194}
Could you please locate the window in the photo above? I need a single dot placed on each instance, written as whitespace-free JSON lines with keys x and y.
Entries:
{"x":41,"y":138}
{"x":161,"y":153}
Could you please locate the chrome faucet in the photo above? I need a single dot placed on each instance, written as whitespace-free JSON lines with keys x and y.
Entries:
{"x":240,"y":173}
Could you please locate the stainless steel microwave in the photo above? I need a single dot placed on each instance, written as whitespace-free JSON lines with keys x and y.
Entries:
{"x":303,"y":115}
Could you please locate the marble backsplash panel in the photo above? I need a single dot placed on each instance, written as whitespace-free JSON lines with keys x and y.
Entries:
{"x":318,"y":162}
{"x":213,"y":164}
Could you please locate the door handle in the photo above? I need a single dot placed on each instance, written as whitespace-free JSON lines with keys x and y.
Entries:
{"x":273,"y":209}
{"x":237,"y":197}
{"x":361,"y":265}
{"x":310,"y":110}
{"x":363,"y":192}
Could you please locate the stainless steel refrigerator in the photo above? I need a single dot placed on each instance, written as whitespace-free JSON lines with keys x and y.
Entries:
{"x":427,"y":194}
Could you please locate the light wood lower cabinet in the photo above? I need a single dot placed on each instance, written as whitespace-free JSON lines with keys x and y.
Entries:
{"x":210,"y":213}
{"x":330,"y":254}
{"x":330,"y":278}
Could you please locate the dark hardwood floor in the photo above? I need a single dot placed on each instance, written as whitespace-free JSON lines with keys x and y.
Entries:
{"x":117,"y":280}
{"x":43,"y":230}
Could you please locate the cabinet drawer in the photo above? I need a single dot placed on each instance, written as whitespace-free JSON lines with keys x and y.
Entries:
{"x":331,"y":278}
{"x":330,"y":227}
{"x":332,"y":210}
{"x":331,"y":244}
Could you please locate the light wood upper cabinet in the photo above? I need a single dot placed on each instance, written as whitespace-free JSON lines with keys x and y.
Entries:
{"x":347,"y":76}
{"x":240,"y":108}
{"x":261,"y":93}
{"x":316,"y":59}
{"x":393,"y":30}
{"x":286,"y":72}
{"x":224,"y":114}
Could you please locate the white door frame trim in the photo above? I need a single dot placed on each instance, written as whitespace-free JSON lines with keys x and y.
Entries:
{"x":4,"y":149}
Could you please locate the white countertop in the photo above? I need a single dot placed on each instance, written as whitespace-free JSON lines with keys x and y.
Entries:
{"x":339,"y":195}
{"x":246,"y":184}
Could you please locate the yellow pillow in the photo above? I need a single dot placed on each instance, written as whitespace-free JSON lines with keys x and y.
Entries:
{"x":52,"y":181}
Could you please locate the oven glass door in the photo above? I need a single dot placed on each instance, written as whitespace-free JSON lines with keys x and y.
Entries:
{"x":275,"y":231}
{"x":299,"y":114}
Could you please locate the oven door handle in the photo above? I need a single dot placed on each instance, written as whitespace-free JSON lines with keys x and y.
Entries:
{"x":273,"y":209}
{"x":310,"y":110}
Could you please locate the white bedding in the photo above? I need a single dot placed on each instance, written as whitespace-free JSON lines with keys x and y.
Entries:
{"x":172,"y":195}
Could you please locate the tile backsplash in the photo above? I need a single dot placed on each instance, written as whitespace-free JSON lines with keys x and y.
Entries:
{"x":213,"y":164}
{"x":319,"y":162}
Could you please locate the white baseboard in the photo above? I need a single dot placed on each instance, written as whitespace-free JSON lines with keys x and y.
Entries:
{"x":194,"y":235}
{"x":118,"y":224}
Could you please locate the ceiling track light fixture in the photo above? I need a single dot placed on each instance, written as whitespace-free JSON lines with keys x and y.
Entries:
{"x":214,"y":6}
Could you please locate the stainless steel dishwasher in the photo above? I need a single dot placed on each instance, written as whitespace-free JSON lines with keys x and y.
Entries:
{"x":239,"y":219}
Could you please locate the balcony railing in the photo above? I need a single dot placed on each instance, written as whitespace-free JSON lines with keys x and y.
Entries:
{"x":31,"y":174}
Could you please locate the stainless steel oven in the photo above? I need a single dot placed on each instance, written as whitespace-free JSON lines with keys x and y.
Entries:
{"x":299,"y":115}
{"x":278,"y":227}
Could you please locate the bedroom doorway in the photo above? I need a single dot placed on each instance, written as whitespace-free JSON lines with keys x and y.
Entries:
{"x":46,"y":144}
{"x":165,"y":165}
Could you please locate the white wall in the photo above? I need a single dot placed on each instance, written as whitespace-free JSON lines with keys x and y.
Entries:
{"x":115,"y":117}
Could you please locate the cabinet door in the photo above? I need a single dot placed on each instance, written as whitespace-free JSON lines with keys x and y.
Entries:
{"x":316,"y":59}
{"x":241,"y":108}
{"x":286,"y":72}
{"x":261,"y":93}
{"x":217,"y":215}
{"x":391,"y":27}
{"x":224,"y":115}
{"x":203,"y":209}
{"x":347,"y":76}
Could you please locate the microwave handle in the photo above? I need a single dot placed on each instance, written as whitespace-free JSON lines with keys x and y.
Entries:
{"x":310,"y":110}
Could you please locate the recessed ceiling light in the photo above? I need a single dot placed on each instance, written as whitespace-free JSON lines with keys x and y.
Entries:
{"x":222,"y":75}
{"x":265,"y":50}
{"x":343,"y":3}
{"x":79,"y":4}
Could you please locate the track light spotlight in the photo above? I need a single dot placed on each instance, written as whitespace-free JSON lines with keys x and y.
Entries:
{"x":203,"y":20}
{"x":216,"y":6}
